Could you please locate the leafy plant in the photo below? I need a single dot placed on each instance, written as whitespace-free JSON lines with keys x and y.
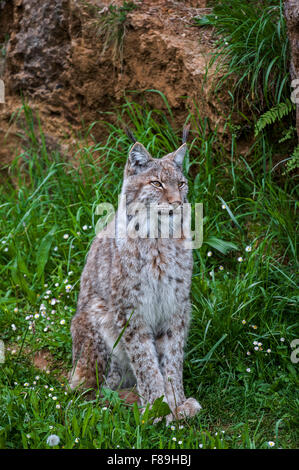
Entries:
{"x":251,"y":50}
{"x":276,"y":113}
{"x":293,"y":163}
{"x":111,"y":24}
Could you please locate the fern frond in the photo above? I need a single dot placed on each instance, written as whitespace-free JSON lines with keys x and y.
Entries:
{"x":287,"y":134}
{"x":274,"y":114}
{"x":293,"y":163}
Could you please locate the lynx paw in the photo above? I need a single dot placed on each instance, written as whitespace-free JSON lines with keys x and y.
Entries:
{"x":75,"y":380}
{"x":188,"y":409}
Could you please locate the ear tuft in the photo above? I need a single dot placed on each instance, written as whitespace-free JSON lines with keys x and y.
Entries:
{"x":185,"y":133}
{"x":130,"y":135}
{"x":139,"y":156}
{"x":179,"y":154}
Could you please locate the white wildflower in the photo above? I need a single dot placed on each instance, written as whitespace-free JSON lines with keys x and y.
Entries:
{"x":53,"y":440}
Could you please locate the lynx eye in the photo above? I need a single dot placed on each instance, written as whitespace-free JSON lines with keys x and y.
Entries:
{"x":182,"y":184}
{"x":157,"y":184}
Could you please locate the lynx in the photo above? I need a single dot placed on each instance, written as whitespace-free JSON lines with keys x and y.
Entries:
{"x":135,"y":291}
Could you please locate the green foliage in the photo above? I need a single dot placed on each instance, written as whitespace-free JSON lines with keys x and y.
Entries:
{"x":252,"y":55}
{"x":243,"y":291}
{"x":252,"y":50}
{"x":110,"y":24}
{"x":276,"y":113}
{"x":293,"y":162}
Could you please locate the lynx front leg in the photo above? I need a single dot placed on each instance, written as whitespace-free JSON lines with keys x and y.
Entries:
{"x":170,"y":349}
{"x":139,"y":345}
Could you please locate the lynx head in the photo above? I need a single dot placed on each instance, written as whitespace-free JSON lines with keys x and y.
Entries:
{"x":150,"y":180}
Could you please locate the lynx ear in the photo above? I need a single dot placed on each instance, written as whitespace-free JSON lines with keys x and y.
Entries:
{"x":179,"y":154}
{"x":139,"y":157}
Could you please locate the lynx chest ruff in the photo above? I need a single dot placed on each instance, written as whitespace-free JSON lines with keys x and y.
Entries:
{"x":164,"y":281}
{"x":158,"y":298}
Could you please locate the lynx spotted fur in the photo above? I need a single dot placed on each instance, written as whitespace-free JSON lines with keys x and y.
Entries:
{"x":139,"y":286}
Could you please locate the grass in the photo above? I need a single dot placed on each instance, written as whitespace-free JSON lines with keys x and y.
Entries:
{"x":251,"y":51}
{"x":110,"y":25}
{"x":240,"y":296}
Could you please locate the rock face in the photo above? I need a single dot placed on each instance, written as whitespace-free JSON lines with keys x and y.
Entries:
{"x":56,"y":57}
{"x":291,"y":8}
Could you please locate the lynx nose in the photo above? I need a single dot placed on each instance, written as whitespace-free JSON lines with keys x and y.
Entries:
{"x":173,"y":198}
{"x":174,"y":202}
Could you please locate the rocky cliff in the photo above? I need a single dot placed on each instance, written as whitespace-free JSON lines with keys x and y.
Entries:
{"x":73,"y":65}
